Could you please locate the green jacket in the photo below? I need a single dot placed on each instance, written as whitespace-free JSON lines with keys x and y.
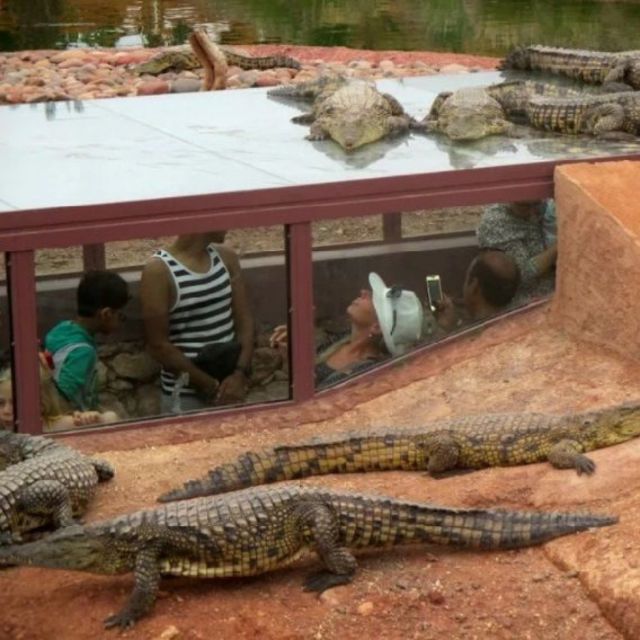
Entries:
{"x":75,"y":359}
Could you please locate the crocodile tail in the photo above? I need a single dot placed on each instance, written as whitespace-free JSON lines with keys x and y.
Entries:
{"x":346,"y":455}
{"x":402,"y":523}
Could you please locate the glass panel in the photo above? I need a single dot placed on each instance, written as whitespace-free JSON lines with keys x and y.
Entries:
{"x":216,"y":328}
{"x":346,"y":230}
{"x":214,"y":148}
{"x":435,"y":221}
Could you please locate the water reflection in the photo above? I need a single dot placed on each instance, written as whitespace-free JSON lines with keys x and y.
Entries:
{"x":477,"y":26}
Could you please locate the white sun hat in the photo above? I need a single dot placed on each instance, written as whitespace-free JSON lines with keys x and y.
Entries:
{"x":399,"y":314}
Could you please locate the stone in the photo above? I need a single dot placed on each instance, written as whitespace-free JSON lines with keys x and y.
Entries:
{"x":110,"y":402}
{"x":148,"y":398}
{"x":185,"y":85}
{"x":453,"y":68}
{"x":170,"y":633}
{"x":136,"y":366}
{"x":365,"y":609}
{"x":264,"y":363}
{"x":153,"y":87}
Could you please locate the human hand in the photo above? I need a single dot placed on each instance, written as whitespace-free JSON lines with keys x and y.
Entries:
{"x":233,"y":388}
{"x":445,"y":313}
{"x":279,"y":337}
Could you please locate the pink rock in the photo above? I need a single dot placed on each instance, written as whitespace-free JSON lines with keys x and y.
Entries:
{"x":71,"y":62}
{"x":70,"y":54}
{"x":153,"y":87}
{"x":267,"y":79}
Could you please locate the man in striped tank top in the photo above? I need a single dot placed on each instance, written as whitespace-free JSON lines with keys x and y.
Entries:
{"x":193,"y":294}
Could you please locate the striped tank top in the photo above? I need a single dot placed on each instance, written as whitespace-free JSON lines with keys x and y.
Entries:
{"x":202,"y":311}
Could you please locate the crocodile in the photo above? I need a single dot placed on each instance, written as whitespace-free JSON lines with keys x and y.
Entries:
{"x":353,"y":114}
{"x":42,"y":483}
{"x":610,"y":115}
{"x":254,"y":531}
{"x":615,"y":69}
{"x":472,"y":113}
{"x":467,"y":442}
{"x":183,"y":58}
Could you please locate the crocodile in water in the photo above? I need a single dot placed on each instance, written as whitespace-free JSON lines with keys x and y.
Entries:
{"x":593,"y":67}
{"x":43,"y":482}
{"x":251,"y":532}
{"x":468,"y":442}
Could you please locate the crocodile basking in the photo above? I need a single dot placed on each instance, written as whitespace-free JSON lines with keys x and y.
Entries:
{"x":609,"y":115}
{"x":183,"y":58}
{"x":43,"y":482}
{"x":352,"y":113}
{"x":251,"y":532}
{"x":472,"y":113}
{"x":593,"y":67}
{"x":468,"y":442}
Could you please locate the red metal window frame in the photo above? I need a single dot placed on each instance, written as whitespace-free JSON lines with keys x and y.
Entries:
{"x":21,"y":233}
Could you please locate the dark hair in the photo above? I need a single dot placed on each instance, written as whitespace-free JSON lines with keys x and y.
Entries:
{"x":498,"y":276}
{"x":100,"y":289}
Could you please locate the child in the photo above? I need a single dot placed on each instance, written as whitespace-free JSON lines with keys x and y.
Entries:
{"x":101,"y":296}
{"x":53,"y":417}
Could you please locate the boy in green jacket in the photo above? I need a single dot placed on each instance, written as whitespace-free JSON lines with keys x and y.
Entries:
{"x":101,"y":295}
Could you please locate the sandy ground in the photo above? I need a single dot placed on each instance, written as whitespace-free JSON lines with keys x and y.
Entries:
{"x":586,"y":586}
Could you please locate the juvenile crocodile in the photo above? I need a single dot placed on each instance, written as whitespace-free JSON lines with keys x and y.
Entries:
{"x":612,"y":115}
{"x":468,"y":442}
{"x":472,"y":113}
{"x":592,"y":67}
{"x":259,"y":530}
{"x":43,"y":482}
{"x":184,"y":59}
{"x":353,"y":114}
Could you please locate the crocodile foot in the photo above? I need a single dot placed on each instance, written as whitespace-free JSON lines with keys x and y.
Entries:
{"x":124,"y":619}
{"x":323,"y":580}
{"x":584,"y":465}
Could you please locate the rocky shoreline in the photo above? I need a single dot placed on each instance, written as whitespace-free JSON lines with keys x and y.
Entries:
{"x":85,"y":74}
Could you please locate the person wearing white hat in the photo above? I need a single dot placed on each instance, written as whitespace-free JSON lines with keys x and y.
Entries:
{"x":384,"y":321}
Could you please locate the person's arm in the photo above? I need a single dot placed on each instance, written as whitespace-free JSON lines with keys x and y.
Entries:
{"x":234,"y":386}
{"x":156,"y":296}
{"x":77,"y":368}
{"x":546,"y":260}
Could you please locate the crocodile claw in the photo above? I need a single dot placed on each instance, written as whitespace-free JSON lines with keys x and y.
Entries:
{"x":585,"y":465}
{"x":324,"y":580}
{"x":123,"y":619}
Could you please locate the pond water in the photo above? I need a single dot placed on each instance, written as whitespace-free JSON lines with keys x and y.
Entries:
{"x":488,"y":27}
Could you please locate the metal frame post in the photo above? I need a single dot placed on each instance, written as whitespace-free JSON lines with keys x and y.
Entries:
{"x":299,"y":245}
{"x":93,"y":257}
{"x":21,"y":288}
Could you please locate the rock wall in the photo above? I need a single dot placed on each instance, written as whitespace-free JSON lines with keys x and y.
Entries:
{"x":129,"y":378}
{"x":598,"y":268}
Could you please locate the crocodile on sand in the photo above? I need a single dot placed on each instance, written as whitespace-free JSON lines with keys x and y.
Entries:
{"x":258,"y":530}
{"x":43,"y":483}
{"x":350,"y":112}
{"x":608,"y":115}
{"x":183,"y":59}
{"x":616,"y":69}
{"x":468,"y":442}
